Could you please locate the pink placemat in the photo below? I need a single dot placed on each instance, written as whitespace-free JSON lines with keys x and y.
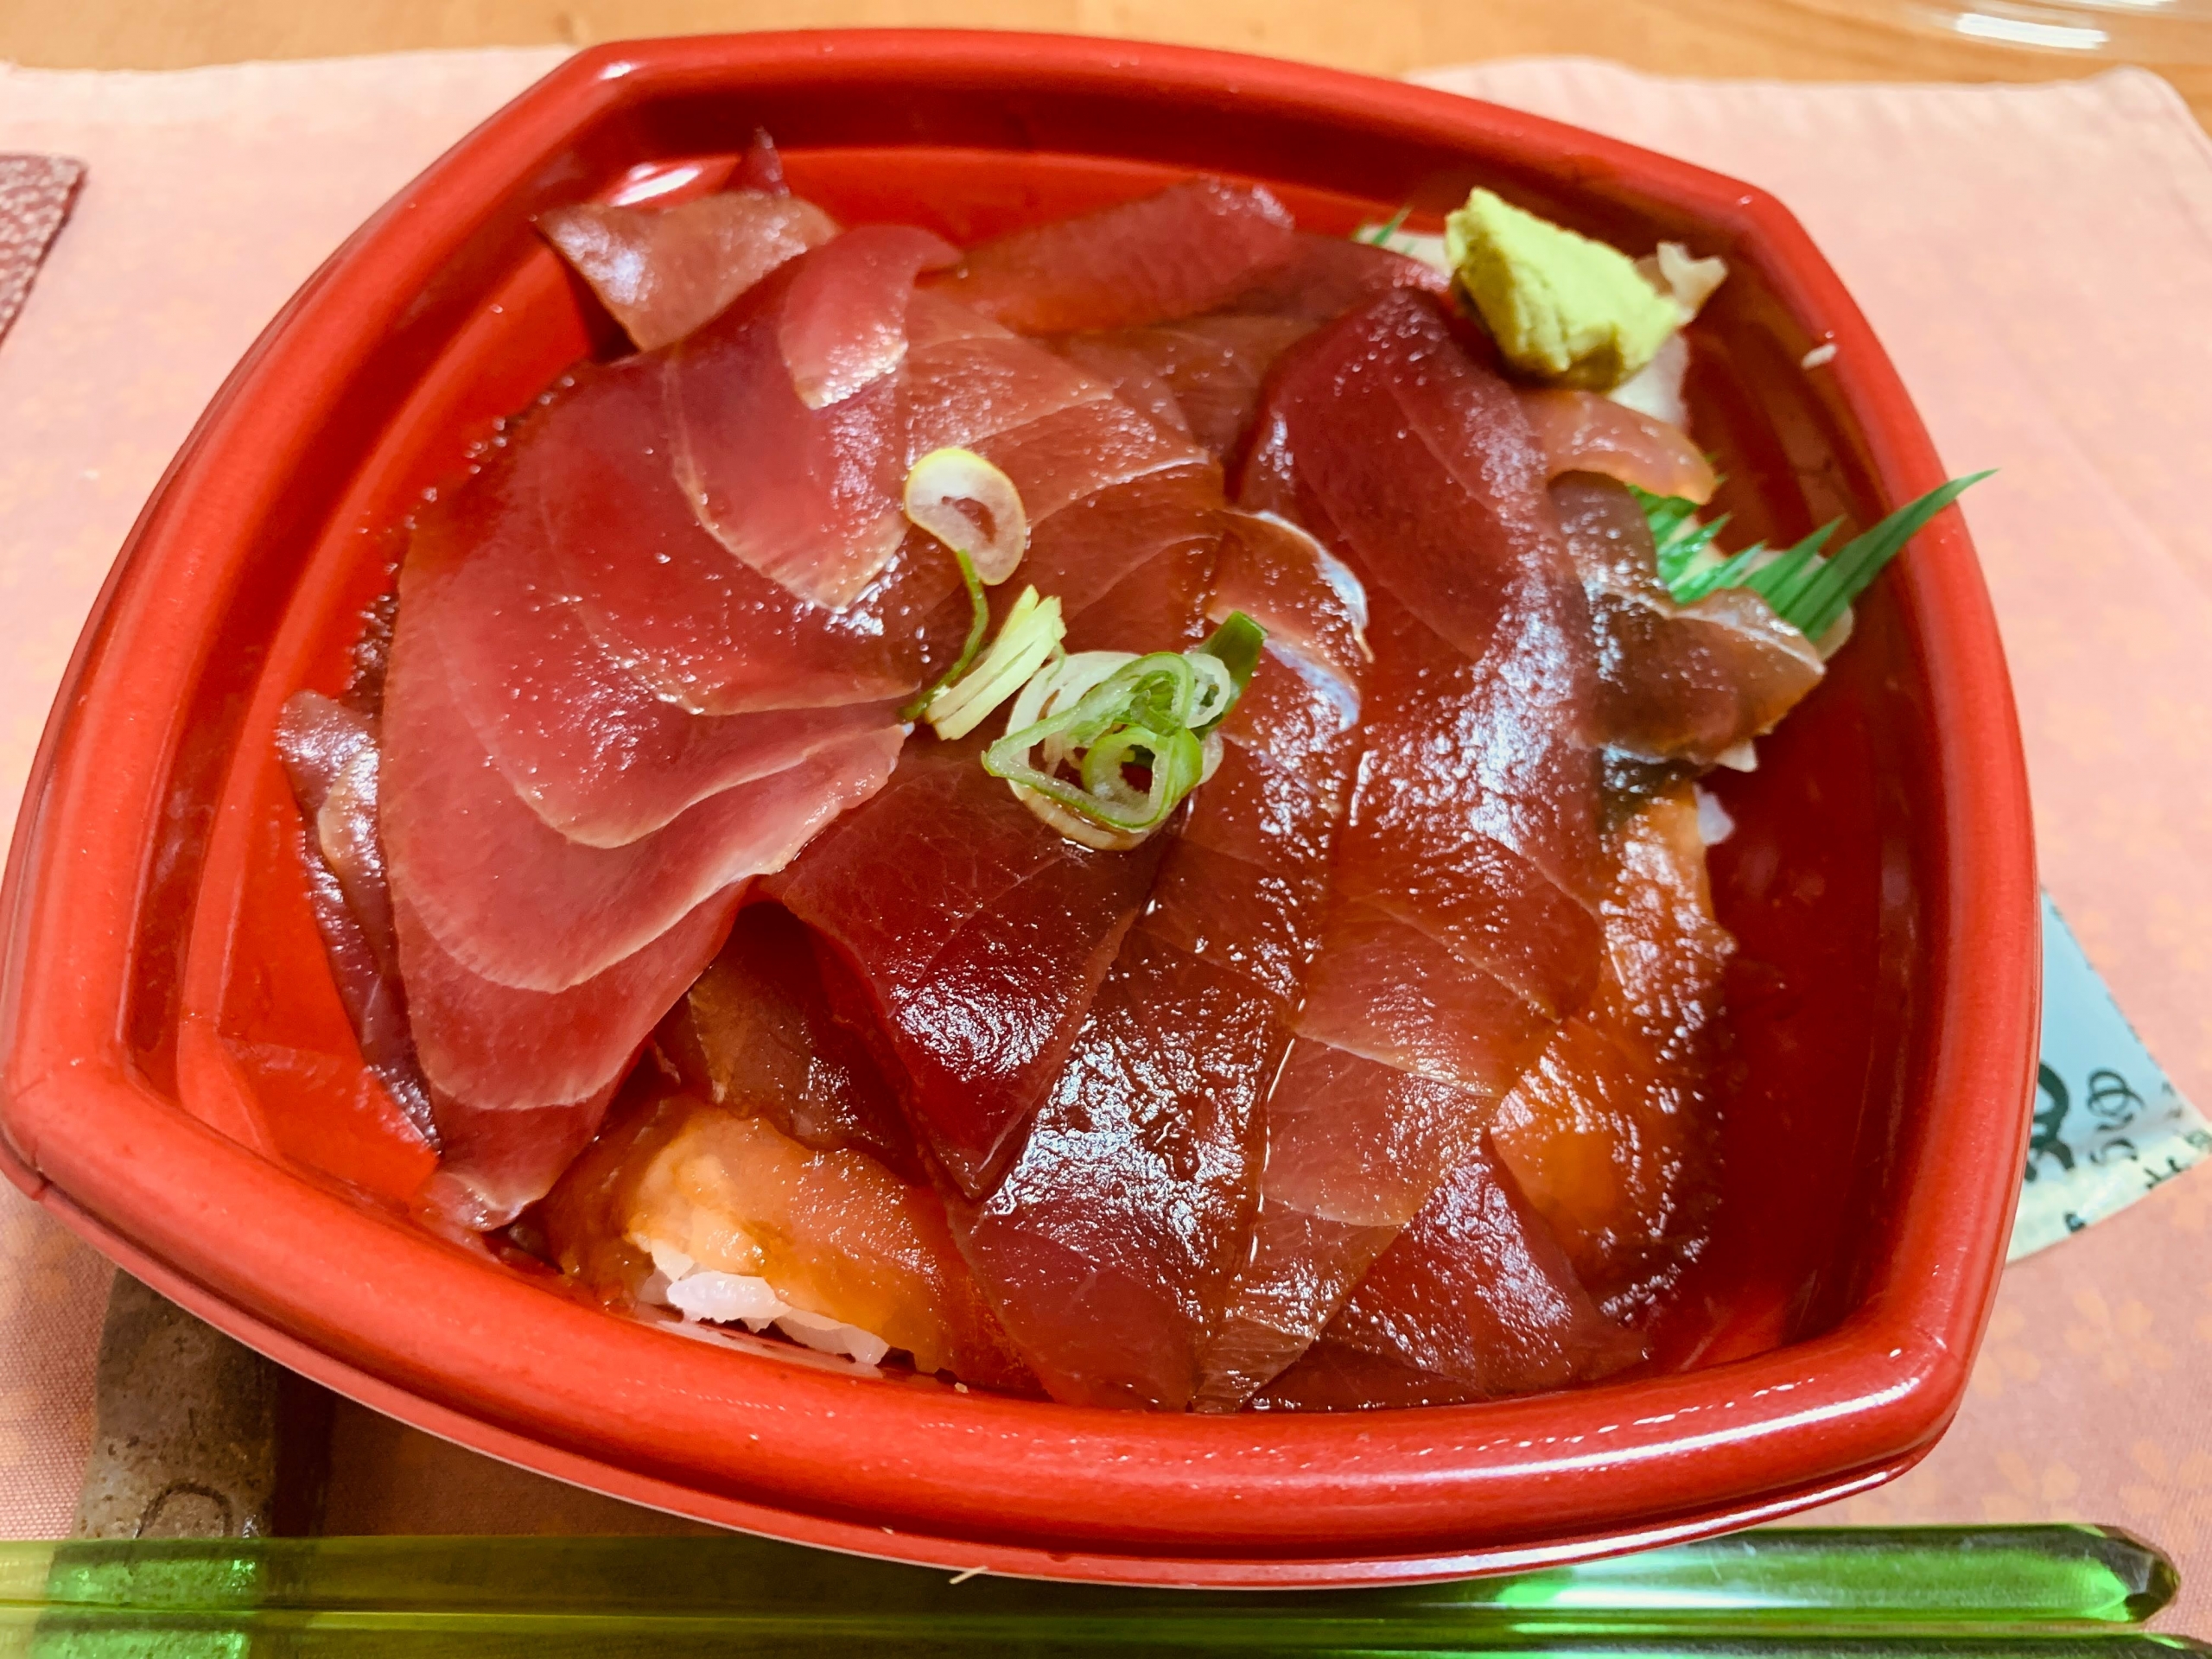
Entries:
{"x":2038,"y":261}
{"x":210,"y":195}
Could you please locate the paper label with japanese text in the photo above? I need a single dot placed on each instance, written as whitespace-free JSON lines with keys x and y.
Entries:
{"x":2108,"y":1125}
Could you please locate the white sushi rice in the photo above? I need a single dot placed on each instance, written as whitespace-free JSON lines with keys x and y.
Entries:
{"x":716,"y":1298}
{"x":1713,"y":823}
{"x":1656,"y":388}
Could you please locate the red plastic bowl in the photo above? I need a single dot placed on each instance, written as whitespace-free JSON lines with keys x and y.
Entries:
{"x":180,"y":1087}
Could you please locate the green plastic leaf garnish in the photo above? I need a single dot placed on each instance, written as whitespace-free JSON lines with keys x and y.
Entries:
{"x":1808,"y":592}
{"x":1379,"y":235}
{"x":1084,"y":723}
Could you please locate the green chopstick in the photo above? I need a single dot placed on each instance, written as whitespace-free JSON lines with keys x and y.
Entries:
{"x":1799,"y":1593}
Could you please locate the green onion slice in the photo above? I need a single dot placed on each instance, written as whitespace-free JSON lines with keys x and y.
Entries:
{"x":978,"y":627}
{"x":967,"y":503}
{"x":972,"y":507}
{"x":1085,"y":722}
{"x":1030,"y":636}
{"x":1808,"y":591}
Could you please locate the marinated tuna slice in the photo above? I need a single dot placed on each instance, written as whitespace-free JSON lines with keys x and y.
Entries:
{"x":1333,"y":1375}
{"x":975,"y":936}
{"x":499,"y":1046}
{"x":1111,"y":1243}
{"x":931,"y":320}
{"x":1134,"y":363}
{"x":668,"y":603}
{"x":1462,"y":924}
{"x":717,"y":1213}
{"x":968,"y":387}
{"x":1312,"y":606}
{"x":520,"y":1079}
{"x":514,"y":901}
{"x":1201,"y":376}
{"x":662,"y":271}
{"x":1327,"y":276}
{"x":1683,"y":683}
{"x":1188,"y":249}
{"x":585,"y":744}
{"x":495,"y":1162}
{"x":788,"y":440}
{"x":978,"y":960}
{"x":757,"y":1033}
{"x":1477,"y":1290}
{"x":330,"y":758}
{"x":1582,"y":432}
{"x":1113,"y":499}
{"x":1131,"y":563}
{"x":1610,"y":1134}
{"x":1068,"y":456}
{"x":1106,"y":1245}
{"x":844,"y":322}
{"x":761,"y":166}
{"x":1060,"y":434}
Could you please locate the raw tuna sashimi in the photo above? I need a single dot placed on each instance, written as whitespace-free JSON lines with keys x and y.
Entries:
{"x":519,"y":904}
{"x":1192,"y":247}
{"x":664,"y":271}
{"x":1327,"y":276}
{"x":1333,"y":1375}
{"x":1610,"y":1134}
{"x":1110,"y":1242}
{"x":974,"y":935}
{"x":1131,"y":563}
{"x":668,"y":603}
{"x":761,"y":166}
{"x":330,"y":757}
{"x":1202,"y":375}
{"x":787,"y":415}
{"x":600,"y":722}
{"x":1060,"y":434}
{"x":757,"y":1033}
{"x":738,"y":1221}
{"x":1462,"y":921}
{"x":1477,"y":1290}
{"x":588,"y":747}
{"x":1678,"y":684}
{"x":1582,"y":432}
{"x":520,"y":1079}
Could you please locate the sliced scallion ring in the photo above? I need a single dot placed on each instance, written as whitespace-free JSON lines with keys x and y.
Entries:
{"x":1100,"y":715}
{"x":971,"y":506}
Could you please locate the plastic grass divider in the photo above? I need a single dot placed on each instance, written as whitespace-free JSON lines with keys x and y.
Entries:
{"x":1994,"y":1591}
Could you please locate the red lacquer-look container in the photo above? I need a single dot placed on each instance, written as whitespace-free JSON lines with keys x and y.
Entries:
{"x":180,"y":1085}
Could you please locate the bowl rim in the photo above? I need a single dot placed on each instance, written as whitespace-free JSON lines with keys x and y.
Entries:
{"x":976,"y":1479}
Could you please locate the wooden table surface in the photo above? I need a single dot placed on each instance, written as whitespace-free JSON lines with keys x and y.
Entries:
{"x":1786,"y":39}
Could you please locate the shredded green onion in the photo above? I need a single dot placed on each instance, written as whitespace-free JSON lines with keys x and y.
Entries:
{"x":1097,"y":715}
{"x":1030,"y":635}
{"x":1806,"y":590}
{"x":978,"y":627}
